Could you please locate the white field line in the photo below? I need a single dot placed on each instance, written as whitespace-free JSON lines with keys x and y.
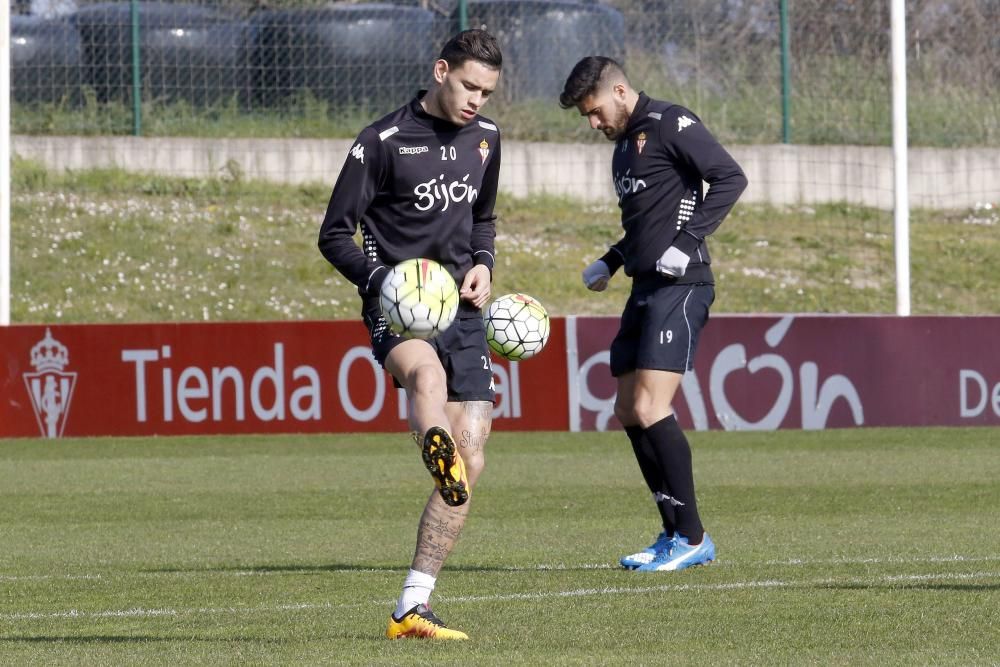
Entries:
{"x":48,"y":577}
{"x":555,"y":567}
{"x":140,"y":612}
{"x":888,"y":561}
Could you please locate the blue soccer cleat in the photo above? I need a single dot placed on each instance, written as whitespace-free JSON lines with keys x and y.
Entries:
{"x":680,"y":555}
{"x":647,"y":555}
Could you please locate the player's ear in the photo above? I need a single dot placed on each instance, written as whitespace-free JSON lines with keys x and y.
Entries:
{"x":440,"y":70}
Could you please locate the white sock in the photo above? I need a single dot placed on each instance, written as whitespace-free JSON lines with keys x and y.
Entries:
{"x":416,"y":590}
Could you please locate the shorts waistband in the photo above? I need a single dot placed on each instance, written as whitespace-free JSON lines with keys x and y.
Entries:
{"x":695,"y":274}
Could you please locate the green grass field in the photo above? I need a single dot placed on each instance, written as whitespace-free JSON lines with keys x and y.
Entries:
{"x":106,"y":246}
{"x":867,"y":546}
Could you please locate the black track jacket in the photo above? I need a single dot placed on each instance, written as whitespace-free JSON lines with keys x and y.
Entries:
{"x":658,"y":168}
{"x":419,"y":186}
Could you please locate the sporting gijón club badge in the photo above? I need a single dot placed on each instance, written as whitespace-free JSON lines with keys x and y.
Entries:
{"x":50,"y":386}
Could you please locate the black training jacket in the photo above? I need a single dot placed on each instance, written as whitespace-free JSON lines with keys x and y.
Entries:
{"x":418,"y":186}
{"x":658,"y":168}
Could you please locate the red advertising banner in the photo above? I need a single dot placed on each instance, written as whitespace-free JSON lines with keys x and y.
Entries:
{"x":751,"y":372}
{"x":172,"y":379}
{"x":814,"y":372}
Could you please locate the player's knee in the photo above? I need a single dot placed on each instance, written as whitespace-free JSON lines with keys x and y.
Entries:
{"x":475,"y":463}
{"x":429,"y":380}
{"x":625,"y":414}
{"x":647,"y":411}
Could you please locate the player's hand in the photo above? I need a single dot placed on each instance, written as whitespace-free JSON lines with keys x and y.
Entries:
{"x":476,"y":286}
{"x":673,"y":262}
{"x":596,"y":276}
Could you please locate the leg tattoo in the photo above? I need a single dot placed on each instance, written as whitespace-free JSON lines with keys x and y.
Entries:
{"x":439,"y":529}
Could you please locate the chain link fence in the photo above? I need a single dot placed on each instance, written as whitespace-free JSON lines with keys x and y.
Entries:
{"x":262,"y":68}
{"x":221,"y":86}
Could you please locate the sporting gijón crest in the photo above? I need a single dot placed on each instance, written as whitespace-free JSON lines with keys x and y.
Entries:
{"x":50,"y":386}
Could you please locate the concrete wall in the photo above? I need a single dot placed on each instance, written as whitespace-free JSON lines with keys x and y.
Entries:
{"x":779,"y":174}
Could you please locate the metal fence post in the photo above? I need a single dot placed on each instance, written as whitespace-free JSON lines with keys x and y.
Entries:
{"x":900,"y":158}
{"x":463,"y":15}
{"x":136,"y":71}
{"x":786,"y":78}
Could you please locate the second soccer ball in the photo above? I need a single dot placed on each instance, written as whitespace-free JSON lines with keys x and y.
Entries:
{"x":419,"y":298}
{"x":517,"y":326}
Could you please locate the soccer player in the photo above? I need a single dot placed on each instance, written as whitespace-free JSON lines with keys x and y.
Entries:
{"x":662,"y":155}
{"x":422,"y":182}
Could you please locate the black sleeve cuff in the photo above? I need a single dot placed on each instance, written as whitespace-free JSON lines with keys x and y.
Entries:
{"x":485,"y":258}
{"x":686,"y":242}
{"x":375,"y":280}
{"x":614,"y":260}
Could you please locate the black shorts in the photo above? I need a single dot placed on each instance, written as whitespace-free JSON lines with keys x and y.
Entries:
{"x":660,"y":328}
{"x":461,"y":348}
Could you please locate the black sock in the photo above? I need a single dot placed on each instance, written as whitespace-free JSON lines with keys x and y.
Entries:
{"x":667,"y":513}
{"x":674,"y":456}
{"x":650,"y":467}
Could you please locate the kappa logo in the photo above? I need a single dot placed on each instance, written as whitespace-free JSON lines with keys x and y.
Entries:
{"x":413,"y":150}
{"x":50,"y":386}
{"x":359,"y":152}
{"x":683,"y":122}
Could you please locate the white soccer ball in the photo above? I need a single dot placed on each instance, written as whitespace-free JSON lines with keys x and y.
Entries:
{"x":419,"y":298}
{"x":517,"y":326}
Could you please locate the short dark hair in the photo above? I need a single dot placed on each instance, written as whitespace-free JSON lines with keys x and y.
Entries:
{"x":474,"y":44}
{"x":586,"y":77}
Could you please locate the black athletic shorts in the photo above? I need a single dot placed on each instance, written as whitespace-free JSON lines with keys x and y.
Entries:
{"x":660,"y":328}
{"x":461,"y":348}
